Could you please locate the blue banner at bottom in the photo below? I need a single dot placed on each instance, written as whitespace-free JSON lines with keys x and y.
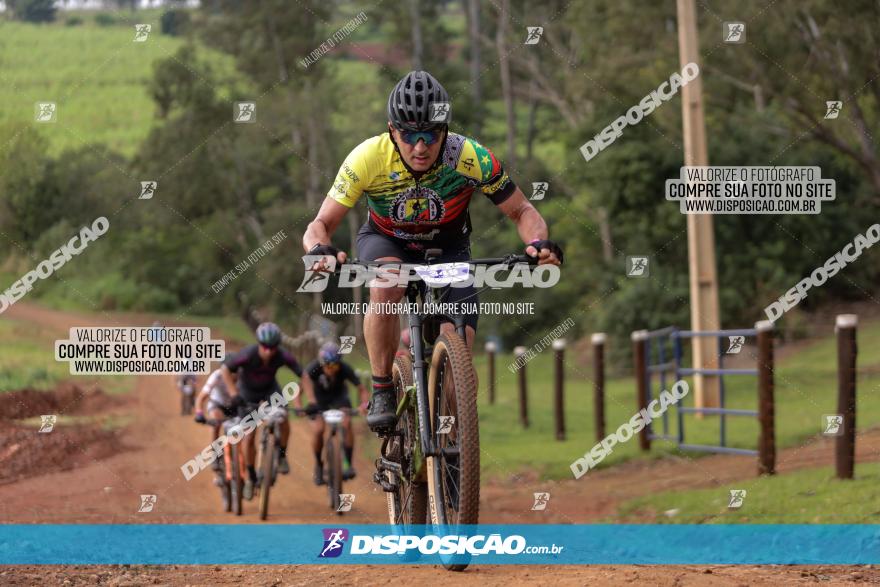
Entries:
{"x":484,"y":544}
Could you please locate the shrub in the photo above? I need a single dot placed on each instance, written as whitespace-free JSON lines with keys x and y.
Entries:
{"x":174,"y":22}
{"x":104,"y":19}
{"x":32,"y":10}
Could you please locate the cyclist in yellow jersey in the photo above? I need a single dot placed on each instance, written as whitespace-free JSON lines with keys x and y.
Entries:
{"x":418,"y":179}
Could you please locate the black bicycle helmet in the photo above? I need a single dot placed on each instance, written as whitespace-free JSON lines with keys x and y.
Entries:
{"x":409,"y":105}
{"x":268,"y":334}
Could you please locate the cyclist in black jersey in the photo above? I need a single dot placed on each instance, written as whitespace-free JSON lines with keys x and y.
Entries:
{"x":325,"y":387}
{"x":257,"y":365}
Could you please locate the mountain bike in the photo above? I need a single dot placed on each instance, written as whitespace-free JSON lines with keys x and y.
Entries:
{"x":187,"y":398}
{"x":269,"y":455}
{"x":221,"y":480}
{"x":430,"y":462}
{"x":233,"y":469}
{"x":334,"y":440}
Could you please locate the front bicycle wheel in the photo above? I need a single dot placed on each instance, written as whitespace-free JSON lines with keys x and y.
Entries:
{"x":236,"y":480}
{"x":226,"y":486}
{"x":408,"y":504}
{"x":454,"y":474}
{"x":267,"y":453}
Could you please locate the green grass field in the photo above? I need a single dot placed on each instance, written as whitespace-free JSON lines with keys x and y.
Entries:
{"x":806,"y":388}
{"x":810,"y":496}
{"x":95,"y":74}
{"x":28,"y":361}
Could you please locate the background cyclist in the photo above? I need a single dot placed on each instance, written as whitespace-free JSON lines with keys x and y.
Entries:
{"x":215,"y":401}
{"x":418,"y":179}
{"x":257,"y":365}
{"x":325,"y":387}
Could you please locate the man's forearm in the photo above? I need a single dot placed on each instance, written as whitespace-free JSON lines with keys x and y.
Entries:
{"x":316,"y":233}
{"x":531,"y":225}
{"x":226,"y":374}
{"x":309,"y":389}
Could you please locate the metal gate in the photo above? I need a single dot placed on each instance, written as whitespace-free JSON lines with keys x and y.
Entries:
{"x":663,"y":355}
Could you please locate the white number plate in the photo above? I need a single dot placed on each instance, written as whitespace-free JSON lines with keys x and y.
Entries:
{"x":443,"y":273}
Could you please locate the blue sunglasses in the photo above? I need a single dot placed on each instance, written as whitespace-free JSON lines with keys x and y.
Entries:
{"x":412,"y":137}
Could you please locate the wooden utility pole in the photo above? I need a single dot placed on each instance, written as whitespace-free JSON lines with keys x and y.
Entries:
{"x":701,"y":233}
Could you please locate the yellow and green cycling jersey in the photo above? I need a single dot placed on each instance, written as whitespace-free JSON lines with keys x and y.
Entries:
{"x":432,"y":208}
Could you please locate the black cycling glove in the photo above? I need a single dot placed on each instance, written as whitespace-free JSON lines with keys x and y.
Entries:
{"x":547,"y":244}
{"x":320,"y":249}
{"x":312,"y":409}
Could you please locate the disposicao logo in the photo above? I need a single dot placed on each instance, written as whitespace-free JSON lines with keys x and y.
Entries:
{"x":334,"y":540}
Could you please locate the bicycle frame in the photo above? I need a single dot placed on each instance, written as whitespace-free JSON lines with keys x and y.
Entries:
{"x":271,"y":425}
{"x":420,"y":352}
{"x":427,"y":444}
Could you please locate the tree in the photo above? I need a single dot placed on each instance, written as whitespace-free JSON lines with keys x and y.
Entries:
{"x":472,"y":10}
{"x":23,"y":202}
{"x":32,"y":10}
{"x":506,"y":83}
{"x":812,"y":52}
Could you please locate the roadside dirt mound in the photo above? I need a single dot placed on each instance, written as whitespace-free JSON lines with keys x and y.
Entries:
{"x":67,"y":398}
{"x":28,"y":453}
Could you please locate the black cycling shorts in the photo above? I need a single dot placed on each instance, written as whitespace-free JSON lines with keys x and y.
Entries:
{"x":333,"y":403}
{"x":228,"y":411}
{"x":250,"y":399}
{"x":372,"y":245}
{"x":255,"y":396}
{"x":247,"y":407}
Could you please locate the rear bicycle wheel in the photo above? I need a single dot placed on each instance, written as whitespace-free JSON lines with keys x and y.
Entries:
{"x":408,"y":505}
{"x":267,"y":455}
{"x":454,"y":475}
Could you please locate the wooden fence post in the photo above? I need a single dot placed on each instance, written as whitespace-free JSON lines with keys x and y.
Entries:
{"x":523,"y":392}
{"x":766,"y":406}
{"x":845,"y":443}
{"x":598,"y":340}
{"x":640,"y":346}
{"x":558,"y":388}
{"x":491,"y":348}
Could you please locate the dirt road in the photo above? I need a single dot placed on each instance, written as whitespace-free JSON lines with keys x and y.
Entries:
{"x":157,"y":440}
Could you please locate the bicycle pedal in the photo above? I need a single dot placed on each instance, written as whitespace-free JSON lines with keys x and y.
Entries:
{"x":386,"y":486}
{"x":384,"y":433}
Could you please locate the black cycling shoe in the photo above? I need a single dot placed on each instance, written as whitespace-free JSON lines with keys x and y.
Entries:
{"x":348,"y":473}
{"x":318,"y":477}
{"x":382,"y":415}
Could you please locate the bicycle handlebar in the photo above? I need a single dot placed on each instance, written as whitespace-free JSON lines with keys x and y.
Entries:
{"x":509,"y":260}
